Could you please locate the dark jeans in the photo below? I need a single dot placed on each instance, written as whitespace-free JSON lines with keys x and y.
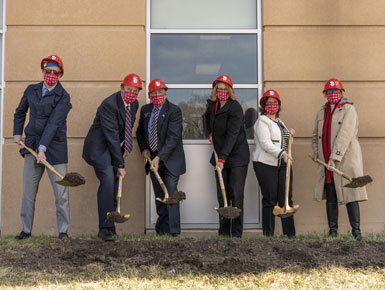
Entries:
{"x":168,"y":221}
{"x":234,"y":179}
{"x":272,"y":180}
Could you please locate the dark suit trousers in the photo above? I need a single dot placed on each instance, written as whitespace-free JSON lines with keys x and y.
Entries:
{"x":168,"y":221}
{"x":234,"y":179}
{"x":108,"y":188}
{"x":272,"y":180}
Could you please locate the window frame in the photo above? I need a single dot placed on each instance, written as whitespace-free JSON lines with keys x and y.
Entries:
{"x":257,"y":32}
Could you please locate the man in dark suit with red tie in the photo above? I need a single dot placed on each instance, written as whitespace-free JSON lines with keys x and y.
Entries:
{"x":159,"y":136}
{"x":108,"y":141}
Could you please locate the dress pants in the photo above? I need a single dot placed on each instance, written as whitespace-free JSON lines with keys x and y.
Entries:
{"x":32,"y":174}
{"x":168,"y":221}
{"x":234,"y":179}
{"x":107,"y":190}
{"x":272,"y":180}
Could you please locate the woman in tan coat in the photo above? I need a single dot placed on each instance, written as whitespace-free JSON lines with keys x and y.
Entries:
{"x":335,"y":142}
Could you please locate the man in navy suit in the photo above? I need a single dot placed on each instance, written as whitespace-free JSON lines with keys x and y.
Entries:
{"x":108,"y":142}
{"x":159,"y":135}
{"x":48,"y":104}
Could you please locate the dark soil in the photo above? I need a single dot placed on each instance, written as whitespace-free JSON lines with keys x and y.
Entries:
{"x":229,"y":212}
{"x":72,"y":179}
{"x":229,"y":256}
{"x":176,"y":198}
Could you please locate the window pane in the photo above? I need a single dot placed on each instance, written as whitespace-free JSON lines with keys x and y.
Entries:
{"x":199,"y":59}
{"x":193,"y":105}
{"x":209,"y":14}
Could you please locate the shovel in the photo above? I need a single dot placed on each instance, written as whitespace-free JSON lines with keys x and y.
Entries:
{"x":354,"y":181}
{"x":286,"y":210}
{"x":70,"y":179}
{"x":115,"y":216}
{"x":175,"y":198}
{"x":228,"y":212}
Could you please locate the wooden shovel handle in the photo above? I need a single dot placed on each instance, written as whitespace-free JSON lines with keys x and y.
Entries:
{"x":160,"y":180}
{"x":287,"y":183}
{"x":119,"y":195}
{"x":339,"y":172}
{"x":222,"y":184}
{"x":49,"y":166}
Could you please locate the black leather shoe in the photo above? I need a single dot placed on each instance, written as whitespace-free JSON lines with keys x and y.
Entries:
{"x":63,"y":236}
{"x":106,"y":235}
{"x":175,"y":235}
{"x":22,"y":235}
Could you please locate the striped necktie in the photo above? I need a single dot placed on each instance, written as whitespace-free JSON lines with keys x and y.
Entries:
{"x":128,"y":131}
{"x":154,"y":131}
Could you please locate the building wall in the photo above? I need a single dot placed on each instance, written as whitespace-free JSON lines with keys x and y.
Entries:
{"x":305,"y":42}
{"x":100,"y":42}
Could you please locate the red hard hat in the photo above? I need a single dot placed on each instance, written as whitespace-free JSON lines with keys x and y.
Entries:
{"x":270,"y":93}
{"x":53,"y":58}
{"x":225,"y":79}
{"x":333,"y":84}
{"x":132,"y":80}
{"x":156,"y":84}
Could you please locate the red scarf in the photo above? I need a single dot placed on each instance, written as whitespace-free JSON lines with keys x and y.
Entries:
{"x":326,"y":137}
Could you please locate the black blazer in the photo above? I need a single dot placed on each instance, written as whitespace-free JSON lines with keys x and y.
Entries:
{"x":47,"y":121}
{"x":107,"y":131}
{"x":170,"y":145}
{"x":228,"y":133}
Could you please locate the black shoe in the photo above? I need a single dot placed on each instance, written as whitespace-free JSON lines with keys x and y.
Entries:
{"x":106,"y":235}
{"x":333,"y":233}
{"x":63,"y":236}
{"x":175,"y":235}
{"x":22,"y":235}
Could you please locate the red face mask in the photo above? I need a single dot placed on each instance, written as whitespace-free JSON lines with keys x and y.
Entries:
{"x":158,"y":100}
{"x":51,"y":79}
{"x":272,"y":108}
{"x":129,"y":97}
{"x":223,"y":95}
{"x":333,"y":97}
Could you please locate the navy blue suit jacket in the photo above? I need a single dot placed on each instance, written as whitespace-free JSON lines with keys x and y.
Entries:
{"x":170,"y":145}
{"x":47,"y":121}
{"x":107,"y":131}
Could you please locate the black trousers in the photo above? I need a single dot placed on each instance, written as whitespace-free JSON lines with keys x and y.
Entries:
{"x":234,"y":179}
{"x":272,"y":181}
{"x":168,"y":221}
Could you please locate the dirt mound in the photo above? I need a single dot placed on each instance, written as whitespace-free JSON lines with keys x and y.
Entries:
{"x":231,"y":256}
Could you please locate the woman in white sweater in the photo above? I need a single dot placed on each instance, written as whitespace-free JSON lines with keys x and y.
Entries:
{"x":269,"y":161}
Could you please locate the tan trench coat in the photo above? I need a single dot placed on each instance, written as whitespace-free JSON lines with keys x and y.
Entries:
{"x":346,"y":151}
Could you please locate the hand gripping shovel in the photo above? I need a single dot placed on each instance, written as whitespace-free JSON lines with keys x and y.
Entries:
{"x":175,"y":198}
{"x":228,"y":212}
{"x":354,"y":181}
{"x":70,"y":179}
{"x":115,"y":215}
{"x":286,"y":210}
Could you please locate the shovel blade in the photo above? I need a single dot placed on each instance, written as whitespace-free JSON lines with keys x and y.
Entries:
{"x":359,"y":181}
{"x":229,"y":212}
{"x":72,"y":179}
{"x":117,"y":217}
{"x":285,"y":212}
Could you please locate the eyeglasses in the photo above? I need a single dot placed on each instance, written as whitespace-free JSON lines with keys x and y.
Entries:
{"x":50,"y":71}
{"x":131,"y":90}
{"x":153,"y":94}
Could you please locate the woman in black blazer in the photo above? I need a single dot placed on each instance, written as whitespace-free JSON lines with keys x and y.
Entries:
{"x":225,"y":125}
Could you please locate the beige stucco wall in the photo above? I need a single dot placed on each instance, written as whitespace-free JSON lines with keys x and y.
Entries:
{"x":100,"y":42}
{"x":305,"y":43}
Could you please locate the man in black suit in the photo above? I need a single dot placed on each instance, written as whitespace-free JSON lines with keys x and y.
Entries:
{"x":108,"y":142}
{"x":159,"y":136}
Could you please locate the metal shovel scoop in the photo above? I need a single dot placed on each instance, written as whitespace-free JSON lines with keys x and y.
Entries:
{"x":175,"y":198}
{"x":115,"y":216}
{"x":228,"y":212}
{"x":286,"y":210}
{"x":70,"y":179}
{"x":354,"y":181}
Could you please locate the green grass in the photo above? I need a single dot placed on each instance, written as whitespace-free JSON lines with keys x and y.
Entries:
{"x":95,"y":277}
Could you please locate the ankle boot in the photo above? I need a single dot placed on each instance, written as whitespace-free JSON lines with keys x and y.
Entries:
{"x":332,"y":214}
{"x":354,"y":218}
